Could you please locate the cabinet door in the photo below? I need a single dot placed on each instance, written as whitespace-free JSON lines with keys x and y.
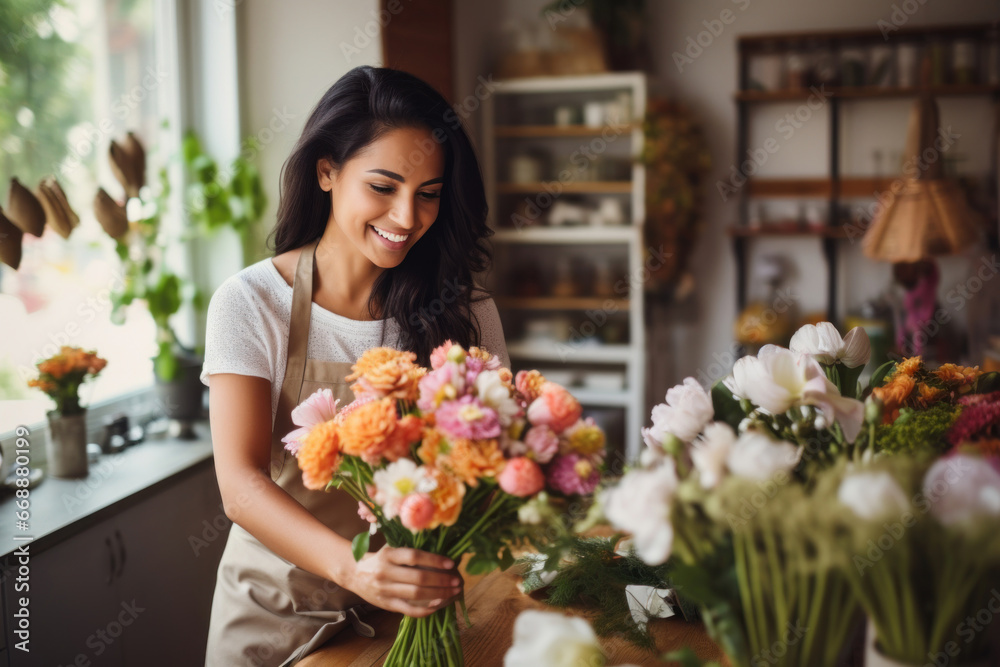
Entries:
{"x":76,"y":615}
{"x":173,"y":542}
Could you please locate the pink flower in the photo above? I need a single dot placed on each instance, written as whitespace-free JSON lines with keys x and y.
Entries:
{"x":444,"y":383}
{"x":468,"y":418}
{"x":542,"y":443}
{"x":573,"y":474}
{"x":318,"y":408}
{"x":980,"y":417}
{"x":473,"y":367}
{"x":440,"y":354}
{"x":521,"y":477}
{"x":555,"y":408}
{"x":365,"y":513}
{"x":417,"y":511}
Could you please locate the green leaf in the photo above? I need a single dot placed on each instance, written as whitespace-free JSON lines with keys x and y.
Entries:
{"x":727,"y":407}
{"x":359,"y":545}
{"x":165,"y":363}
{"x":506,"y":558}
{"x":879,"y":375}
{"x":482,"y":563}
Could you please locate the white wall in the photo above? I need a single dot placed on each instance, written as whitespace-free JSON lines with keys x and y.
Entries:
{"x":291,"y":52}
{"x":707,"y":86}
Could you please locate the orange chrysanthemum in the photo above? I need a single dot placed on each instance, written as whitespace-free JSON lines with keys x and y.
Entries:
{"x":894,"y":395}
{"x":388,"y":373}
{"x":955,"y":374}
{"x":319,"y":455}
{"x":927,"y":394}
{"x":374,"y":432}
{"x":447,"y":497}
{"x":908,"y":366}
{"x":433,"y":445}
{"x":529,"y":383}
{"x":471,"y":460}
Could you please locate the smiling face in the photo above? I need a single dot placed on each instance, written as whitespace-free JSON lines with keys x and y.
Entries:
{"x":387,"y":196}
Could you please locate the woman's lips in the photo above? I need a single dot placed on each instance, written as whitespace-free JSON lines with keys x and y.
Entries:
{"x":389,"y":243}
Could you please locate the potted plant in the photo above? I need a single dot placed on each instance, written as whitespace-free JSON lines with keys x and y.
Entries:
{"x":60,"y":376}
{"x":212,"y":201}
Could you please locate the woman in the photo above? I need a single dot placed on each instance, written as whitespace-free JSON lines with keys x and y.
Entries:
{"x":381,"y":226}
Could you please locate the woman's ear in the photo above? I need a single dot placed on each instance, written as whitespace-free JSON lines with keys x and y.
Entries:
{"x":326,"y":173}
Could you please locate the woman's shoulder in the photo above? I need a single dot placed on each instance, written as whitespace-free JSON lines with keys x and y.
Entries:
{"x":253,"y":286}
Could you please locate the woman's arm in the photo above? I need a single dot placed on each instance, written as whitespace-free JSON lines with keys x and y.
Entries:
{"x":240,"y":413}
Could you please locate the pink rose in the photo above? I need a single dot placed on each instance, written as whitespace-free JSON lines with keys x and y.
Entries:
{"x":542,"y":443}
{"x":555,"y":408}
{"x":521,"y":477}
{"x":416,"y":511}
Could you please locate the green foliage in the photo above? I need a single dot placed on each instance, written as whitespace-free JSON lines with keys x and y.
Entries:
{"x":215,"y":199}
{"x":918,"y":431}
{"x":42,"y":75}
{"x":359,"y":545}
{"x":595,"y":576}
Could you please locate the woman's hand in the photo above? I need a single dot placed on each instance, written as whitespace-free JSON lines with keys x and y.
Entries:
{"x":409,"y":581}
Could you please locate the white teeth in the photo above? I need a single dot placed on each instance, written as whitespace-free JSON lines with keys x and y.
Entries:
{"x":392,"y":237}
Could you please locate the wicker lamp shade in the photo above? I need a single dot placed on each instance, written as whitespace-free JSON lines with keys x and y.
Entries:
{"x":925,"y":215}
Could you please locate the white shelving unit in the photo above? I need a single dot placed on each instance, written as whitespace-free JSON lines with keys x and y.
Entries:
{"x":518,"y":118}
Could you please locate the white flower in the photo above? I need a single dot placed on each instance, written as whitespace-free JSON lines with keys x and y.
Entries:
{"x":640,"y":504}
{"x":756,"y":456}
{"x":494,"y":394}
{"x":554,"y":640}
{"x":962,"y":488}
{"x":398,"y":480}
{"x":710,"y":451}
{"x":778,"y":379}
{"x":687,"y":410}
{"x":824,"y":343}
{"x":873,"y":495}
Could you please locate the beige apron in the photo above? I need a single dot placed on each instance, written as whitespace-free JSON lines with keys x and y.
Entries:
{"x":267,"y":611}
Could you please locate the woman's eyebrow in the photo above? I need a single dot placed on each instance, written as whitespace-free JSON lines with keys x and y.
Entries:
{"x":392,"y":174}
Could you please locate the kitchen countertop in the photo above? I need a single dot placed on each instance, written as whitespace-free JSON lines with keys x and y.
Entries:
{"x":60,"y":508}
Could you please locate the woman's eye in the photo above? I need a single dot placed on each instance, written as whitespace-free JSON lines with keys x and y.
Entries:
{"x":380,"y":189}
{"x":431,"y":195}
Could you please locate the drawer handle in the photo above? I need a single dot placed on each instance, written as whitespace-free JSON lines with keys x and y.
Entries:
{"x":111,"y":557}
{"x":121,"y":552}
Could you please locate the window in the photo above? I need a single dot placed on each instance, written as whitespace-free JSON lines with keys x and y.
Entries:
{"x":73,"y":76}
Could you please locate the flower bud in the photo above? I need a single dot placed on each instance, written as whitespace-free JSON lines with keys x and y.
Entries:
{"x":873,"y":409}
{"x":456,"y":354}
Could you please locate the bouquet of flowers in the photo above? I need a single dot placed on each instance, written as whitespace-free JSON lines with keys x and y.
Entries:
{"x":918,"y":543}
{"x":442,"y":459}
{"x":61,"y":375}
{"x":719,"y":489}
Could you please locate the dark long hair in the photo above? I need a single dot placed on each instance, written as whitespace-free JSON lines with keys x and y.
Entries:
{"x":430,"y":292}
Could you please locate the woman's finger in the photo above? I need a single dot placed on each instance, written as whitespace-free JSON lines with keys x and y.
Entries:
{"x":418,"y":558}
{"x":426,"y":578}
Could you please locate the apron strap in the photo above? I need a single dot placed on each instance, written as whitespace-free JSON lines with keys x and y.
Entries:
{"x":298,"y":333}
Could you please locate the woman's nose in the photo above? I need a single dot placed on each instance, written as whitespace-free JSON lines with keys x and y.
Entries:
{"x":404,"y":214}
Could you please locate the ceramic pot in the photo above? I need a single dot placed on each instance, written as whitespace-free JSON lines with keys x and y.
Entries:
{"x":67,"y":445}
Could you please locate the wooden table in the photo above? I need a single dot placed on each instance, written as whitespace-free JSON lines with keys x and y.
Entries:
{"x":494,"y":601}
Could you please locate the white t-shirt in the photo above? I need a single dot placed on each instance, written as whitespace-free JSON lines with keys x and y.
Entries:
{"x":247,"y":329}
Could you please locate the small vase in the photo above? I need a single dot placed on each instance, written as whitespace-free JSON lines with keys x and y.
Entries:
{"x":875,"y":658}
{"x":67,"y":445}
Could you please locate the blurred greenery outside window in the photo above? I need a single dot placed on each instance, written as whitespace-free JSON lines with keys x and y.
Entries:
{"x":74,"y":74}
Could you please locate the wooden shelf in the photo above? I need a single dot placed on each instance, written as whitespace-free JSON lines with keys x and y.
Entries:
{"x":788,"y":229}
{"x":821,"y":188}
{"x":588,"y":396}
{"x":752,"y":43}
{"x":569,"y":234}
{"x":570,"y":353}
{"x":560,"y":303}
{"x":581,"y":187}
{"x":534,"y":131}
{"x":866,"y":92}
